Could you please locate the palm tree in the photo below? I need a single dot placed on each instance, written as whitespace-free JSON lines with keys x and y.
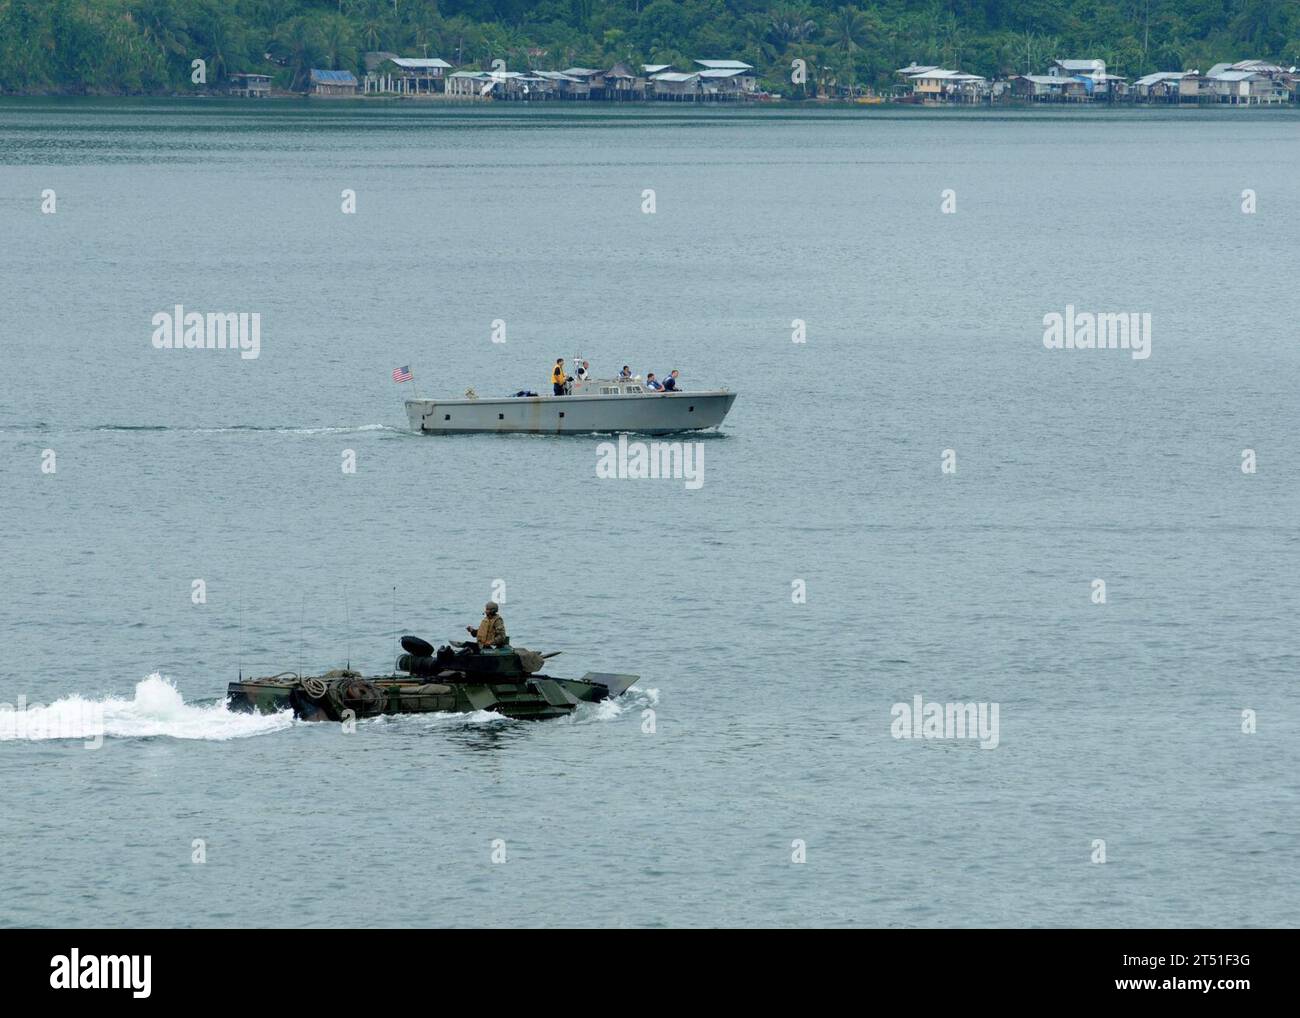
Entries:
{"x":848,"y":30}
{"x":851,"y":31}
{"x":789,"y":27}
{"x":163,"y":26}
{"x":302,"y":45}
{"x":218,"y":36}
{"x":339,"y":42}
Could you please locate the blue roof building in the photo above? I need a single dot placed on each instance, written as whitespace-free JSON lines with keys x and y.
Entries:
{"x":333,"y":82}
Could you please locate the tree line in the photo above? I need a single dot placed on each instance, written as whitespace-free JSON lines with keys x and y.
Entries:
{"x":114,"y":47}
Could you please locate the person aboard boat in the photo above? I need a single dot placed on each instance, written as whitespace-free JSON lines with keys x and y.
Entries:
{"x":584,"y":371}
{"x":626,"y":373}
{"x":558,"y":377}
{"x":670,"y":383}
{"x":491,"y":632}
{"x":651,"y":382}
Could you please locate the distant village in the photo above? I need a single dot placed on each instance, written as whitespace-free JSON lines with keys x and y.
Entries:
{"x":1247,"y":82}
{"x":387,"y":75}
{"x":391,"y":76}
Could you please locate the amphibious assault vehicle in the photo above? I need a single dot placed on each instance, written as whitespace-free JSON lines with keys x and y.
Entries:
{"x":457,"y":678}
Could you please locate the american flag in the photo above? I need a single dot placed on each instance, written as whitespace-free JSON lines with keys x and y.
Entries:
{"x":402,"y":374}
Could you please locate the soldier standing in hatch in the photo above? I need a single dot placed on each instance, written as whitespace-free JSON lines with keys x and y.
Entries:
{"x":491,"y":632}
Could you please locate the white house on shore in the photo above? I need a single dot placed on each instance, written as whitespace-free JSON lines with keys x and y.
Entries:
{"x":729,"y":75}
{"x":1090,"y":79}
{"x":940,"y":84}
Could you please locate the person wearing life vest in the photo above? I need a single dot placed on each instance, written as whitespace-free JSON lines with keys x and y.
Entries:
{"x":491,"y":632}
{"x":558,"y":377}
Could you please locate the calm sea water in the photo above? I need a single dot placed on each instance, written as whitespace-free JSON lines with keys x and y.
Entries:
{"x":1120,"y":722}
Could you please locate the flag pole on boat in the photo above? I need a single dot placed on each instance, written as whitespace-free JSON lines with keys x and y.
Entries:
{"x":347,"y":632}
{"x":403,"y":374}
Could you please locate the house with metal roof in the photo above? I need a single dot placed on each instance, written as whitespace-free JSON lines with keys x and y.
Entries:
{"x":555,"y":85}
{"x":1162,"y":86}
{"x":333,"y":84}
{"x":470,"y":84}
{"x":413,"y":76}
{"x":939,"y":84}
{"x":727,"y":78}
{"x":1084,"y":80}
{"x":676,"y":86}
{"x":721,"y":83}
{"x":725,"y":65}
{"x":1260,"y":67}
{"x":1038,"y":87}
{"x":1232,"y":83}
{"x":1071,"y":68}
{"x":1243,"y":87}
{"x":250,"y":86}
{"x":1170,"y":87}
{"x":588,"y":83}
{"x":511,"y":86}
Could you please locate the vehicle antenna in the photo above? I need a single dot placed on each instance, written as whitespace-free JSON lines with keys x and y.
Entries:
{"x":347,"y":630}
{"x":239,"y":654}
{"x":301,"y":619}
{"x":394,"y":621}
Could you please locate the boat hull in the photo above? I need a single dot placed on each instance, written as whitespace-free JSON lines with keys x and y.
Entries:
{"x":346,"y":698}
{"x":651,"y":414}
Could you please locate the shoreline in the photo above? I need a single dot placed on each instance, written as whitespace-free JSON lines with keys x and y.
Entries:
{"x":299,"y":101}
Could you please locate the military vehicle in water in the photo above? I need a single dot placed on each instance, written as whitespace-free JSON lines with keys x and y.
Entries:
{"x":458,"y":678}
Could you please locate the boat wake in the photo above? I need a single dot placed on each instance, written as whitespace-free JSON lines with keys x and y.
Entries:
{"x":240,"y":428}
{"x":633,"y":702}
{"x":235,"y":429}
{"x":156,"y":709}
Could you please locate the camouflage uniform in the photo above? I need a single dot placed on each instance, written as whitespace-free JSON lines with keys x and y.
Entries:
{"x":492,"y":632}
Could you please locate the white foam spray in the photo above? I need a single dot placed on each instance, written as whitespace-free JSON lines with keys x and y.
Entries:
{"x":156,"y":709}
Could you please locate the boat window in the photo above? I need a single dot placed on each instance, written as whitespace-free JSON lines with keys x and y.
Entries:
{"x":633,"y":388}
{"x":609,"y":390}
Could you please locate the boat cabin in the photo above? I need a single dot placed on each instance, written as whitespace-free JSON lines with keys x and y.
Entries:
{"x":606,"y":387}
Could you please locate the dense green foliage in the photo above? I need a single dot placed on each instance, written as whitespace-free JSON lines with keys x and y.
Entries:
{"x":132,"y":46}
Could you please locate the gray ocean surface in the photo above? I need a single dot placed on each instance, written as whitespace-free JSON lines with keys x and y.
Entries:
{"x":1120,"y":722}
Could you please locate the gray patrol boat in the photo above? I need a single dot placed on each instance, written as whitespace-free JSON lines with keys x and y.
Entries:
{"x":591,"y":405}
